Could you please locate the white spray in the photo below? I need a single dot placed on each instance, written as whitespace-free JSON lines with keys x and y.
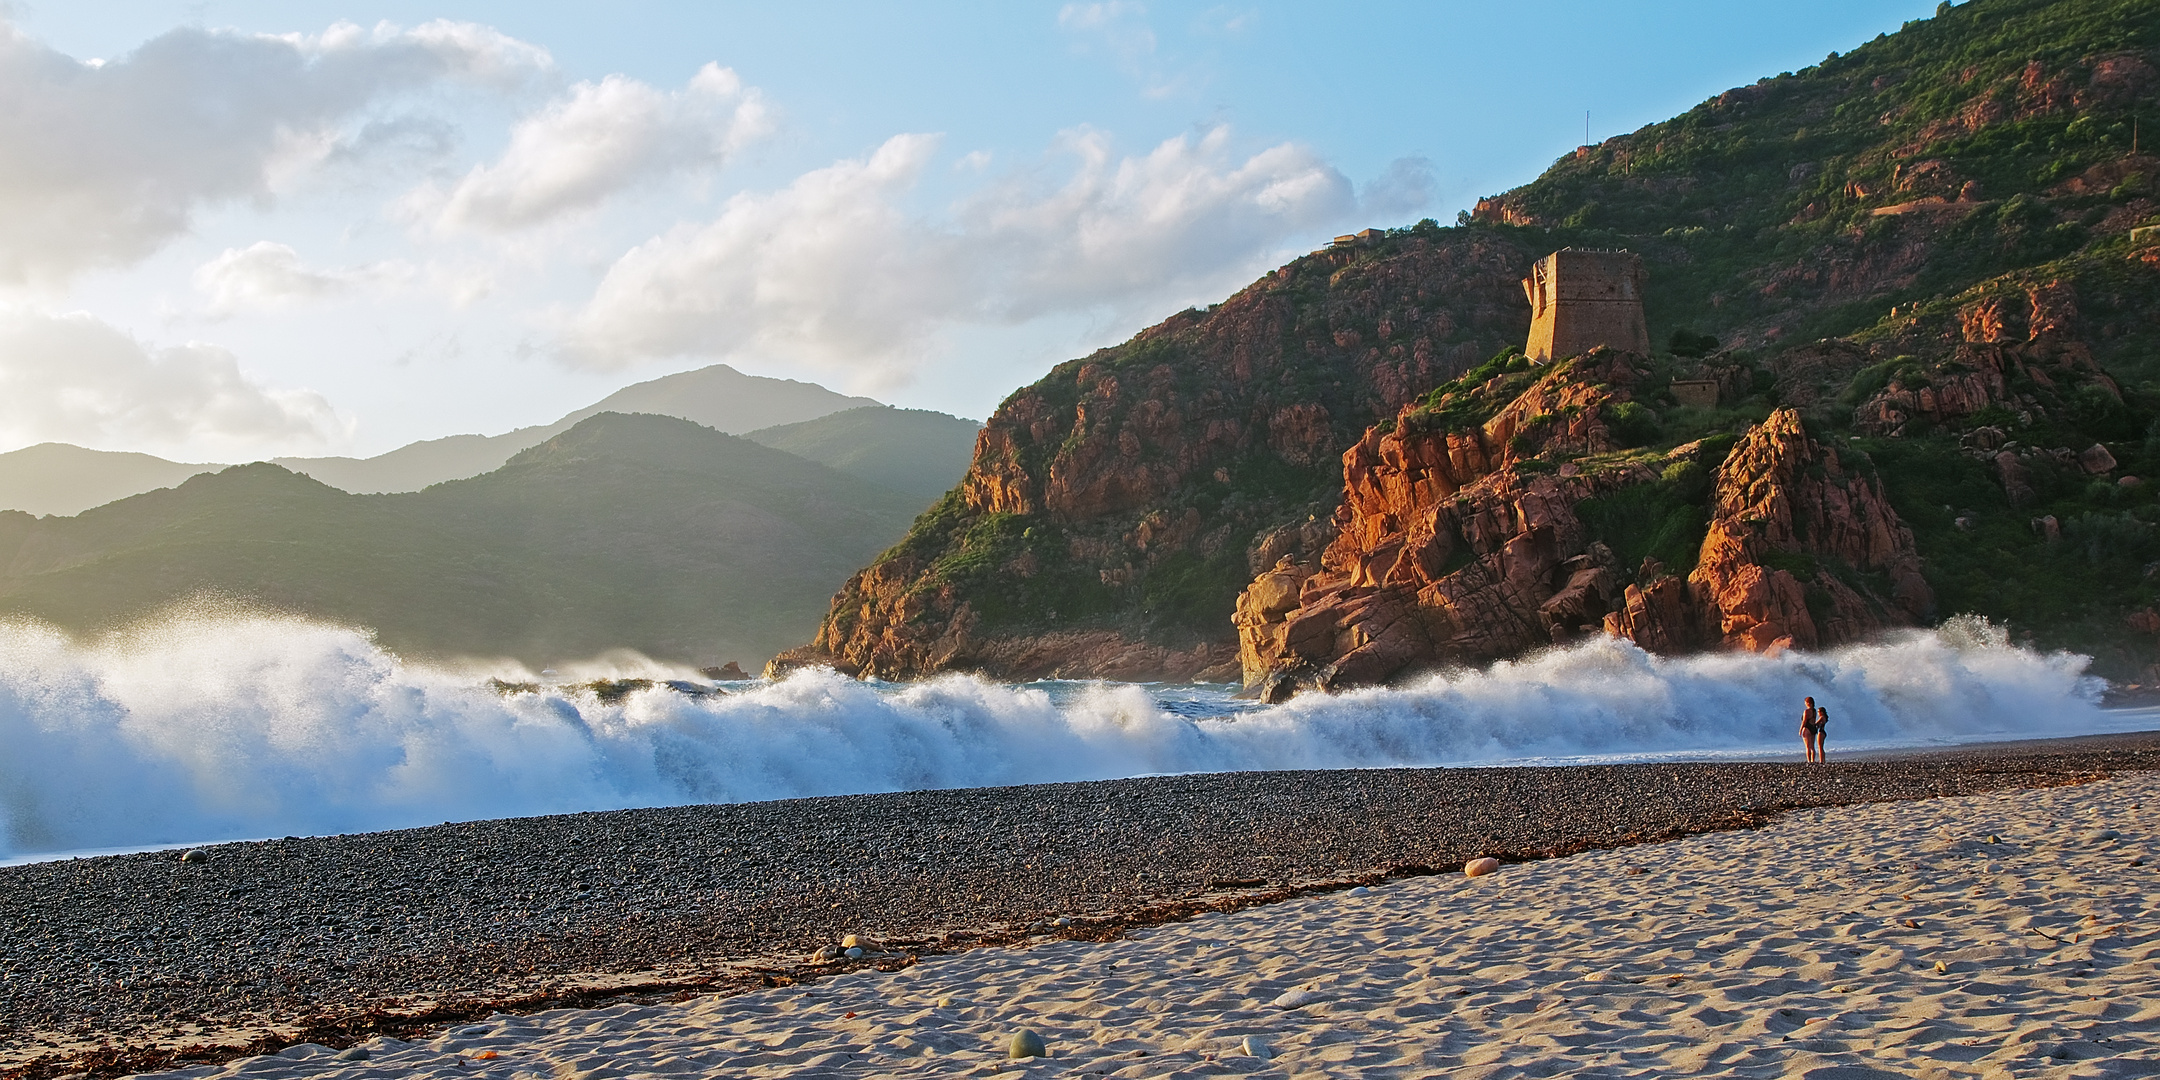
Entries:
{"x":203,"y":728}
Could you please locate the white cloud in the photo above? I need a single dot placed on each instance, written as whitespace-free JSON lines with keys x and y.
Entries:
{"x":267,"y":275}
{"x":260,"y":276}
{"x":72,"y":378}
{"x":825,"y":269}
{"x":599,"y":139}
{"x":103,"y":162}
{"x":833,"y":271}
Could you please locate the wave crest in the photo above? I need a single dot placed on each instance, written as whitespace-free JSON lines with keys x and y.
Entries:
{"x":212,"y":727}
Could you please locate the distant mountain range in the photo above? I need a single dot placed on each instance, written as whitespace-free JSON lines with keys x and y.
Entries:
{"x":718,"y":397}
{"x":919,"y":452}
{"x":640,"y":532}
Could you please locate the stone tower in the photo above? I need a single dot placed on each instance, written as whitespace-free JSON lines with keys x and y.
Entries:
{"x":1580,"y":300}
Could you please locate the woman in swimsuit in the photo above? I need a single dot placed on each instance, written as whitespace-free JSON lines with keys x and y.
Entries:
{"x":1807,"y":728}
{"x":1822,"y":729}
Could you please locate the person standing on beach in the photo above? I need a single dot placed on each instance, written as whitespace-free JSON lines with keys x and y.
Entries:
{"x":1807,"y":728}
{"x":1822,"y":729}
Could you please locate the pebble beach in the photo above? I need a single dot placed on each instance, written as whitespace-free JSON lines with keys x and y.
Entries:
{"x":1905,"y":915}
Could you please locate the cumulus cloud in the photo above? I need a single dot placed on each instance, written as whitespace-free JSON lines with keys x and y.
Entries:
{"x":832,"y":270}
{"x":823,"y":269}
{"x":103,"y":162}
{"x":260,"y":276}
{"x":601,"y":138}
{"x":267,"y":275}
{"x":72,"y":378}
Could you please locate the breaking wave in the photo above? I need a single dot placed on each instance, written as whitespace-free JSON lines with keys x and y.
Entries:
{"x":197,"y":729}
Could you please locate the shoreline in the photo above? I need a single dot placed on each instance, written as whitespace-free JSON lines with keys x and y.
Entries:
{"x":343,"y":938}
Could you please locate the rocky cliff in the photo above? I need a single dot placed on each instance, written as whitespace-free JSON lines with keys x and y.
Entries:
{"x":1114,"y":508}
{"x":1903,"y":348}
{"x":1455,"y":546}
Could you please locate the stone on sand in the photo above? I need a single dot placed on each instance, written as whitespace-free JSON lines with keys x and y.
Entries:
{"x":1294,"y":999}
{"x":1255,"y":1046}
{"x":1480,"y":867}
{"x":1026,"y":1044}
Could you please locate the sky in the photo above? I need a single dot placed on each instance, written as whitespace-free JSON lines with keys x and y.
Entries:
{"x":232,"y":230}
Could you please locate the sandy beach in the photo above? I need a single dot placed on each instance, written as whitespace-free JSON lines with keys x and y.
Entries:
{"x":2006,"y":934}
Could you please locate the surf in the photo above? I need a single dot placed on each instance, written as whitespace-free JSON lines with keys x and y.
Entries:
{"x":194,"y":729}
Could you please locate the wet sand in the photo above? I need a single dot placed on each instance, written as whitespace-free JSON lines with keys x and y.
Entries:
{"x":126,"y":963}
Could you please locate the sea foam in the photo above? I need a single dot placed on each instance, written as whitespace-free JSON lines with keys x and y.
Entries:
{"x":201,"y":728}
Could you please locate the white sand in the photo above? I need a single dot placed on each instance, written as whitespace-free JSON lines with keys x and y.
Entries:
{"x":1888,"y":940}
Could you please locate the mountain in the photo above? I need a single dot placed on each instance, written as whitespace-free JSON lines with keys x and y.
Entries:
{"x":718,"y":397}
{"x":625,"y":531}
{"x":912,"y":450}
{"x":1903,"y":367}
{"x":56,"y":478}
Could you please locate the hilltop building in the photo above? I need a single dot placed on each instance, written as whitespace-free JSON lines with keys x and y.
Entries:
{"x":1581,"y":299}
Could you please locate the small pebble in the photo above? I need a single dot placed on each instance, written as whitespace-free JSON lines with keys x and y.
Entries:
{"x":1026,"y":1044}
{"x":2104,"y":835}
{"x":1359,"y":891}
{"x":354,"y":1053}
{"x":195,"y":855}
{"x":1480,"y":867}
{"x":1061,"y":921}
{"x":853,"y":952}
{"x":1255,"y":1046}
{"x":1295,"y":999}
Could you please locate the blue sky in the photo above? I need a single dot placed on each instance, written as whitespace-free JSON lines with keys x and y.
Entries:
{"x":252,"y":228}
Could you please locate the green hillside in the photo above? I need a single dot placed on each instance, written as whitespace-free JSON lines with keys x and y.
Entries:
{"x":1987,"y":158}
{"x":641,"y":532}
{"x":1924,"y":244}
{"x":917,"y":451}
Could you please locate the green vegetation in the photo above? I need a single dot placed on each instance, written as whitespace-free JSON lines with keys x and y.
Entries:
{"x":1734,"y":202}
{"x":2071,"y":592}
{"x":1665,"y":520}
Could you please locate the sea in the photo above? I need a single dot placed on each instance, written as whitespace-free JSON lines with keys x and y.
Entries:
{"x":192,"y":730}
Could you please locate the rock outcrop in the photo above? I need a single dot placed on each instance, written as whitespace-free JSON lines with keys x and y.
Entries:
{"x":1783,"y":498}
{"x":2017,"y":350}
{"x":1452,"y":549}
{"x":1449,"y":546}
